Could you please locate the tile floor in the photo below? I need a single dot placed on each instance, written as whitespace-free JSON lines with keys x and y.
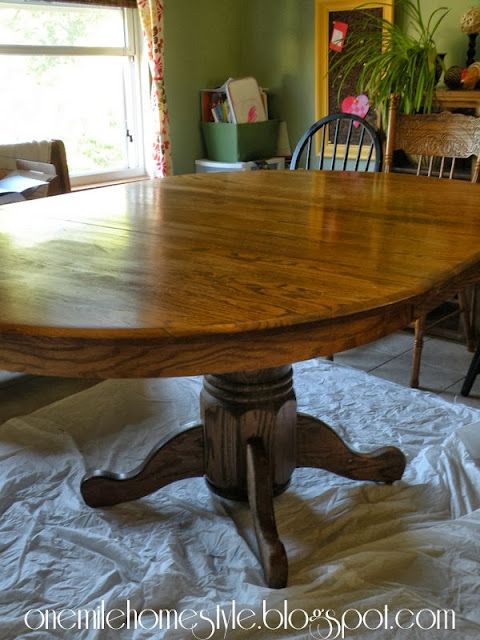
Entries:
{"x":444,"y":365}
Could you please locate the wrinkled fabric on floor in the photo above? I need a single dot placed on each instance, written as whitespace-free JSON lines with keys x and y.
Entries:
{"x":379,"y":550}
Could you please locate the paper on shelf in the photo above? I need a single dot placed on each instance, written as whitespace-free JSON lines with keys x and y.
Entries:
{"x":245,"y":99}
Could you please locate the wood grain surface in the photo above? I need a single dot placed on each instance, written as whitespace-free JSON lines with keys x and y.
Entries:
{"x":226,"y":272}
{"x":238,"y":407}
{"x":444,"y":136}
{"x":175,"y":458}
{"x":320,"y":447}
{"x":260,"y":496}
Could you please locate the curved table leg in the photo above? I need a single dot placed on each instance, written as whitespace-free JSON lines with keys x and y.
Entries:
{"x":180,"y":457}
{"x":260,"y":497}
{"x":249,"y":444}
{"x":320,"y":447}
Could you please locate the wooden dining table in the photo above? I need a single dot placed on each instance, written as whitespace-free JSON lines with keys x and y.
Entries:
{"x":234,"y":276}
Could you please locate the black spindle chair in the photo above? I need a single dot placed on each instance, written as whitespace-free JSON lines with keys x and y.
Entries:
{"x":472,"y":373}
{"x":339,"y":142}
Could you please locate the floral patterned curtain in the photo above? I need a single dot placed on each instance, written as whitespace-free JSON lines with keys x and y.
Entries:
{"x":151,"y":15}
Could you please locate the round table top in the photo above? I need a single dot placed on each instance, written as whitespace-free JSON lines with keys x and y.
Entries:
{"x":223,"y":272}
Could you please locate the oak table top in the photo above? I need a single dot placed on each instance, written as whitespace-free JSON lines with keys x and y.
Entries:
{"x":234,"y":276}
{"x":221,"y":272}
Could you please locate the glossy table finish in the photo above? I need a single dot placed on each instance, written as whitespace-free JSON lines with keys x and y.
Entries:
{"x":199,"y":273}
{"x":234,"y":276}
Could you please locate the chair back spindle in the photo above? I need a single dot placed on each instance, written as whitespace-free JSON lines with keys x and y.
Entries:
{"x":437,"y":139}
{"x":341,"y":142}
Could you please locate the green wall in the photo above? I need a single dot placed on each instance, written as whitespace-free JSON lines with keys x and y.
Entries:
{"x":209,"y":40}
{"x":449,"y":38}
{"x":278,"y":49}
{"x":202,"y":49}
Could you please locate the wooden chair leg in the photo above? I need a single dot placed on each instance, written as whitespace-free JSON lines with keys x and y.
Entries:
{"x":417,"y":351}
{"x":472,"y":373}
{"x":464,"y":299}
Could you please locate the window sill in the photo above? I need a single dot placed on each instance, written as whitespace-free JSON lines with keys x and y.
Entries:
{"x":108,"y":183}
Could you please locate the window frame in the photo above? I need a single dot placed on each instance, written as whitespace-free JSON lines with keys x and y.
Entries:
{"x":136,"y":87}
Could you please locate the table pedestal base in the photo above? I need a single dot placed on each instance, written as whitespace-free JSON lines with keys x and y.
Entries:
{"x":248,"y":446}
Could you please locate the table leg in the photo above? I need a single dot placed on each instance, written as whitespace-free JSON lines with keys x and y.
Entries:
{"x":174,"y":459}
{"x":320,"y":447}
{"x":260,"y":498}
{"x":251,"y":441}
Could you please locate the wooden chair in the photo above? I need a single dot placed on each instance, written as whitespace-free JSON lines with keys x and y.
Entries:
{"x":58,"y":157}
{"x":346,"y":142}
{"x":27,"y":155}
{"x":472,"y":373}
{"x":438,"y":140}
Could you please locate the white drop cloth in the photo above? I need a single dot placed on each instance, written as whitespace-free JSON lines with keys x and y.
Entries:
{"x":350,"y":544}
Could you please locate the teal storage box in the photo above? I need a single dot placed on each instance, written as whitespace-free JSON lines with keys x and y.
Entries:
{"x":227,"y":142}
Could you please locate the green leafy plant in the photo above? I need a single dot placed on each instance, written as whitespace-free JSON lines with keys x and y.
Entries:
{"x":387,"y":58}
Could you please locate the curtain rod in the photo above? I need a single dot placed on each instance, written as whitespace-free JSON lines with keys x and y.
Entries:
{"x":128,"y":4}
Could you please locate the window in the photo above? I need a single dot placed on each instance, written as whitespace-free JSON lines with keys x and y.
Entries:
{"x":74,"y":73}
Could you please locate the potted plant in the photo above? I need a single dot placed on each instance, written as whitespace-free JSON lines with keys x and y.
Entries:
{"x":387,"y":59}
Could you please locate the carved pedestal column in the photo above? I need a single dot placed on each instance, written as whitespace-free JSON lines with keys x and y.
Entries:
{"x":250,"y":424}
{"x":239,"y":407}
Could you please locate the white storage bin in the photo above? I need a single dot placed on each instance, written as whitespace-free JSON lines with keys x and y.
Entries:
{"x":209,"y":166}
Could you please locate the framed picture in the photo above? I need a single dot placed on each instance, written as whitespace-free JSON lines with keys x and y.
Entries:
{"x":334,"y":20}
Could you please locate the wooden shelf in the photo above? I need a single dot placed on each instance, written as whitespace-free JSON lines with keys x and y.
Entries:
{"x":450,"y":99}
